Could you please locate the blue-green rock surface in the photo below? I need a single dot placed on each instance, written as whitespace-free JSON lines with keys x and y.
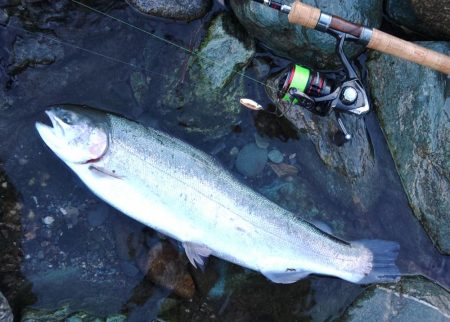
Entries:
{"x":206,"y":102}
{"x":413,"y":106}
{"x":5,"y":311}
{"x":186,"y":10}
{"x":304,"y":46}
{"x":427,"y":17}
{"x":411,"y":300}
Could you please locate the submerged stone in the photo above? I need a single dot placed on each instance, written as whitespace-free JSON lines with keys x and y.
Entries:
{"x":5,"y":310}
{"x":436,"y":15}
{"x":251,"y":160}
{"x":165,"y":266}
{"x":116,"y":318}
{"x":207,"y":103}
{"x":65,"y":314}
{"x":352,"y":164}
{"x":427,"y":17}
{"x":185,"y":10}
{"x":261,"y":142}
{"x":3,"y":17}
{"x":97,"y":216}
{"x":33,"y":51}
{"x":411,"y":300}
{"x":69,"y":285}
{"x":414,"y":111}
{"x":302,"y":45}
{"x":275,"y":156}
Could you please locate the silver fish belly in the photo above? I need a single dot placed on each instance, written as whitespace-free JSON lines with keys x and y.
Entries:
{"x":183,"y":193}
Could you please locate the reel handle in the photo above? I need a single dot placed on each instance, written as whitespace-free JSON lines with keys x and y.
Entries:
{"x":312,"y":17}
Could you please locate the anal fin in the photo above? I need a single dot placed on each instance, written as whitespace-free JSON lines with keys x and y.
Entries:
{"x":288,"y":277}
{"x":196,"y":253}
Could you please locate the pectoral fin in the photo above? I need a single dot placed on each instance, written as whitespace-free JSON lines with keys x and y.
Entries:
{"x":104,"y":172}
{"x":288,"y":277}
{"x":196,"y":253}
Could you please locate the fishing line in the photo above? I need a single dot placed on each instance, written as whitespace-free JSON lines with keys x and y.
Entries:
{"x":191,"y":52}
{"x":93,"y":52}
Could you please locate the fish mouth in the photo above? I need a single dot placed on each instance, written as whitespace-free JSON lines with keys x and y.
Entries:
{"x":51,"y":135}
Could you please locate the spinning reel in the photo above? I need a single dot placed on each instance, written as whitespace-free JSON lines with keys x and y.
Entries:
{"x":324,"y":93}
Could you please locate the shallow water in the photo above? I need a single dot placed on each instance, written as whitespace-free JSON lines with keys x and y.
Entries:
{"x":87,"y":258}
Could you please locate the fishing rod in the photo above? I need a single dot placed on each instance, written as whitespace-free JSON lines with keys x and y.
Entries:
{"x":323,"y":93}
{"x":312,"y":17}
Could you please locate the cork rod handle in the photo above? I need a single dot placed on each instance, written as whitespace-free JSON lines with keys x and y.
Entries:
{"x":308,"y":16}
{"x":407,"y":50}
{"x":304,"y":15}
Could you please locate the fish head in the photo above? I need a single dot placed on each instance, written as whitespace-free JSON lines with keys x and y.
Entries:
{"x":76,"y":134}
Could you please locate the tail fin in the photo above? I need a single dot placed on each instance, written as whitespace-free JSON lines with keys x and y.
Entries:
{"x":384,"y":255}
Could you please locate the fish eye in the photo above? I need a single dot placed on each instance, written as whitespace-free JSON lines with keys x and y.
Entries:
{"x":66,"y":118}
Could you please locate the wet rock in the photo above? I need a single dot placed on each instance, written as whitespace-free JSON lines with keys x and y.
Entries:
{"x":48,"y":220}
{"x":65,"y":314}
{"x":139,"y":84}
{"x":224,"y":36}
{"x":429,"y":18}
{"x":6,"y":101}
{"x":217,"y":290}
{"x":13,"y":283}
{"x":284,"y":170}
{"x":5,"y":310}
{"x":414,"y":111}
{"x":116,"y":318}
{"x":128,"y":240}
{"x":352,"y":159}
{"x":33,"y":51}
{"x":401,"y":12}
{"x":3,"y":17}
{"x":69,"y":285}
{"x":206,"y":279}
{"x":70,"y":215}
{"x":234,"y":151}
{"x":261,"y":67}
{"x":436,"y":14}
{"x":275,"y":156}
{"x":412,"y":299}
{"x":33,"y":315}
{"x":261,"y":142}
{"x":251,"y":160}
{"x":351,"y":167}
{"x":129,"y":268}
{"x":185,"y":10}
{"x":165,"y":266}
{"x":302,"y":45}
{"x":97,"y":216}
{"x":207,"y":104}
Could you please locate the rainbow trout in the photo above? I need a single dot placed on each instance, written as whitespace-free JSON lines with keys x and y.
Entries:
{"x":183,"y":193}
